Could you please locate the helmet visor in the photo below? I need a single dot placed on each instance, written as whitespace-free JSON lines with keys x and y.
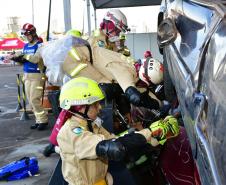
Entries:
{"x":25,"y":32}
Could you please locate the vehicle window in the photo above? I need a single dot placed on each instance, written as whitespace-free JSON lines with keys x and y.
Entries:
{"x":193,"y":27}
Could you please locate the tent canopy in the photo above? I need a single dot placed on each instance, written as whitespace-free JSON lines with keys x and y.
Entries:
{"x":11,"y":44}
{"x":100,"y":4}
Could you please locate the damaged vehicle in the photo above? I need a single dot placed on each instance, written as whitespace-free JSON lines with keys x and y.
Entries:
{"x":192,"y":39}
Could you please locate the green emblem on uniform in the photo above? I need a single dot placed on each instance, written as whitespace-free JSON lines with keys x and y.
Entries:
{"x":101,"y":43}
{"x":77,"y":130}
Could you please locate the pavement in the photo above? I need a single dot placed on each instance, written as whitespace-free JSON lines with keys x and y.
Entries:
{"x":17,"y":140}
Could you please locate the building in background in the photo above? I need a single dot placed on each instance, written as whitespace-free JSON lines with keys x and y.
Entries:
{"x":13,"y":24}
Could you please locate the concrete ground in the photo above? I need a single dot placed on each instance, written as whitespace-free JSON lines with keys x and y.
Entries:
{"x":17,"y":140}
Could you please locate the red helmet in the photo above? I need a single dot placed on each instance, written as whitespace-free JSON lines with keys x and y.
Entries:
{"x":147,"y":54}
{"x":28,"y":29}
{"x":114,"y":21}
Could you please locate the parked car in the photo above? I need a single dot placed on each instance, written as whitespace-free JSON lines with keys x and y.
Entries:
{"x":192,"y":39}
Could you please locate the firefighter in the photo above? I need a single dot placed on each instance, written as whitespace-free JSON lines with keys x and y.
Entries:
{"x":113,"y":23}
{"x":151,"y":80}
{"x":86,"y":147}
{"x":34,"y":77}
{"x":74,"y":32}
{"x":113,"y":71}
{"x":105,"y":66}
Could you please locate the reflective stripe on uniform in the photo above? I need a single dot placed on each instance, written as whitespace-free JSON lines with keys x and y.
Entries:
{"x":77,"y":69}
{"x":97,"y":33}
{"x":39,"y":87}
{"x":101,"y":182}
{"x":40,"y":113}
{"x":27,"y":57}
{"x":74,"y":54}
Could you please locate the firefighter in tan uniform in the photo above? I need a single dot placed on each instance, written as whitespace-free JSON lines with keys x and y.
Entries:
{"x":104,"y":65}
{"x":34,"y":78}
{"x":86,"y":147}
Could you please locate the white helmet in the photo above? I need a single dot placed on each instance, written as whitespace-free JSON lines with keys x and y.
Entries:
{"x":118,"y":18}
{"x":151,"y":71}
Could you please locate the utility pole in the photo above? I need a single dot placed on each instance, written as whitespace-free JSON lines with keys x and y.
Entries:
{"x":32,"y":9}
{"x":95,"y":18}
{"x":49,"y":18}
{"x":67,"y":15}
{"x":88,"y":16}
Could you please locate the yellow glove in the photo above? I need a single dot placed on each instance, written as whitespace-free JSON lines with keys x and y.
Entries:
{"x":165,"y":129}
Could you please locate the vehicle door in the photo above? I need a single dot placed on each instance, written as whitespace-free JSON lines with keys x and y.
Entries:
{"x":193,"y":23}
{"x":210,"y":124}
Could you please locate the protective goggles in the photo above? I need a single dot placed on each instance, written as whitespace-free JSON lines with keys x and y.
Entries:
{"x":25,"y":32}
{"x":111,"y":31}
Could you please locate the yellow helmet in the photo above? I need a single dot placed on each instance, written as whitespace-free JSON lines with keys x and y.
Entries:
{"x":75,"y":33}
{"x":80,"y":91}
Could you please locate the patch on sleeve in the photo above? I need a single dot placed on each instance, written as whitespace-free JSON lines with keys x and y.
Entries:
{"x":77,"y":130}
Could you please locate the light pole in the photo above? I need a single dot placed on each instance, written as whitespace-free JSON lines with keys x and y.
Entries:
{"x":88,"y":16}
{"x":32,"y":9}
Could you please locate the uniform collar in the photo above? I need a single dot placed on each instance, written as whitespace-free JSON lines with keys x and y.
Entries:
{"x":82,"y":122}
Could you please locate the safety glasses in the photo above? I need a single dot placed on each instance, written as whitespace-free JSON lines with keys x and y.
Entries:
{"x":25,"y":33}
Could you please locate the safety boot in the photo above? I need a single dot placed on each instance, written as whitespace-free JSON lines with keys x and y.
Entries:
{"x":34,"y":126}
{"x":49,"y":150}
{"x":42,"y":126}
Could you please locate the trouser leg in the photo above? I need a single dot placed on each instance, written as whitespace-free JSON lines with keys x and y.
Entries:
{"x":36,"y":89}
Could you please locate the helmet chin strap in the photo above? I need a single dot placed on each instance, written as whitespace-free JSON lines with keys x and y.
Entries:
{"x":89,"y":121}
{"x":85,"y":115}
{"x":34,"y":38}
{"x":113,"y":39}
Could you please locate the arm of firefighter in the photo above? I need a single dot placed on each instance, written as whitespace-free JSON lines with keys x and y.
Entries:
{"x":34,"y":58}
{"x":123,"y":73}
{"x":122,"y":147}
{"x":120,"y":66}
{"x":84,"y":144}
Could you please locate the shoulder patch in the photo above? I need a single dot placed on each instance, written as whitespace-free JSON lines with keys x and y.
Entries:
{"x":77,"y":130}
{"x":101,"y":44}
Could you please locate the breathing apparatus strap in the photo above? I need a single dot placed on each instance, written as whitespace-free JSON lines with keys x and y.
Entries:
{"x":89,"y":121}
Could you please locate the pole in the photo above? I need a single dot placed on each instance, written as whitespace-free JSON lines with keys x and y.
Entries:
{"x":88,"y":16}
{"x":49,"y":18}
{"x":95,"y":18}
{"x":67,"y":15}
{"x":18,"y":93}
{"x":32,"y":6}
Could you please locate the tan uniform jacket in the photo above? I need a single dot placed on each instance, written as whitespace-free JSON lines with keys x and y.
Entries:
{"x":107,"y":65}
{"x":125,"y":51}
{"x":80,"y":165}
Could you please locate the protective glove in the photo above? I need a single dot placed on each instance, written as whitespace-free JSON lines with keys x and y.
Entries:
{"x":164,"y":109}
{"x":111,"y":90}
{"x":165,"y":129}
{"x":125,"y":146}
{"x":133,"y":95}
{"x":19,"y":59}
{"x":148,"y":102}
{"x":111,"y":150}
